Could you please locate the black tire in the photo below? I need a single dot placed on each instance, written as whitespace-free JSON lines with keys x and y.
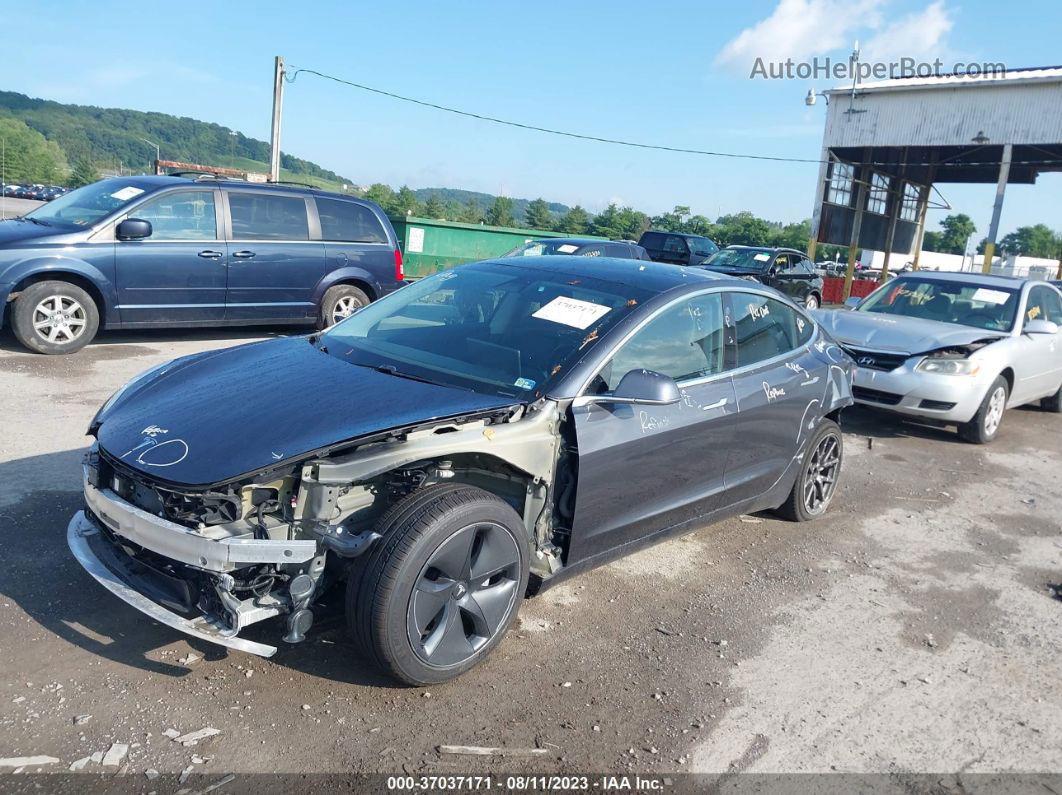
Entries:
{"x":812,"y":301}
{"x":410,"y":618}
{"x":984,"y":427}
{"x":820,"y":469}
{"x":55,"y":317}
{"x":339,"y":302}
{"x":1053,"y":403}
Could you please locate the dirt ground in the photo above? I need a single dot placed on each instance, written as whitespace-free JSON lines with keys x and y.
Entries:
{"x":915,"y":628}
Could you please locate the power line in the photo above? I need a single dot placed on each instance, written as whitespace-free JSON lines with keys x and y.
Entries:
{"x":620,"y":142}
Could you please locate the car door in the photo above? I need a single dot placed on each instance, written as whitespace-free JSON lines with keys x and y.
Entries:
{"x":274,"y":261}
{"x":356,"y":245}
{"x":777,"y":380}
{"x":177,"y":274}
{"x":643,"y":469}
{"x":1038,"y":363}
{"x":782,"y":275}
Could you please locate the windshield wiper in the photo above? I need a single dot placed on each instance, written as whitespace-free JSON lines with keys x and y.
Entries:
{"x":390,"y":369}
{"x":33,"y":220}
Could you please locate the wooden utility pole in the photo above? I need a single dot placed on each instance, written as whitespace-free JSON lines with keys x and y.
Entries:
{"x":278,"y":109}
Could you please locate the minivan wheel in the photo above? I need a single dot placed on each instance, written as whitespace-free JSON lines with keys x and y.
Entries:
{"x":55,"y":317}
{"x":819,"y":471}
{"x":340,"y":302}
{"x":442,"y":587}
{"x":811,"y":302}
{"x":984,"y":426}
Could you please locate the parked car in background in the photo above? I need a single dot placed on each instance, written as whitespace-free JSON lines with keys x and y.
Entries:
{"x":508,"y":419}
{"x":12,"y":191}
{"x":579,"y":247}
{"x":170,"y":251}
{"x":955,"y":348}
{"x":677,"y":248}
{"x":830,"y":268}
{"x":784,"y":269}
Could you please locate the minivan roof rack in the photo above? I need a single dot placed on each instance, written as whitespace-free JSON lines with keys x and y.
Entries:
{"x":292,"y":182}
{"x":198,"y":174}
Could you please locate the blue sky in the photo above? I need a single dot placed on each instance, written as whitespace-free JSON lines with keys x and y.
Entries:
{"x":673,"y":74}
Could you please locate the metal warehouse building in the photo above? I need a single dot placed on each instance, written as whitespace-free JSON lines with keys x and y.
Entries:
{"x":887,"y":143}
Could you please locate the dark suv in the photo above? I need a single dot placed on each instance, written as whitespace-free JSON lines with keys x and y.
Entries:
{"x":678,"y":248}
{"x":784,"y":269}
{"x":173,"y":251}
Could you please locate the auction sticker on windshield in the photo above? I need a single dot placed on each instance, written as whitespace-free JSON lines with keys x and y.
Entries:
{"x":128,"y":192}
{"x":571,"y":312}
{"x":761,"y":257}
{"x":990,"y":296}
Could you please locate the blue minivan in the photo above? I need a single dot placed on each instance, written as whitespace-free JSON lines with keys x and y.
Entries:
{"x":177,"y":251}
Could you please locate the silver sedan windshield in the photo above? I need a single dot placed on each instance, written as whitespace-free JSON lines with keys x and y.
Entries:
{"x":992,"y":308}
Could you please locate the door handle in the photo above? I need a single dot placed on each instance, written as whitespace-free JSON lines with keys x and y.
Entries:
{"x":243,"y":254}
{"x":208,"y":254}
{"x":717,"y":405}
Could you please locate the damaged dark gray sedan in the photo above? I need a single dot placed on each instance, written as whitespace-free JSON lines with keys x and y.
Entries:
{"x":476,"y":435}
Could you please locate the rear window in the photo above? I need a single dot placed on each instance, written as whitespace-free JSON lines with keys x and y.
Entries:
{"x":349,"y":222}
{"x":262,"y":216}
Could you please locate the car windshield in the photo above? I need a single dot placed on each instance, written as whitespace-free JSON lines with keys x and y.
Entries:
{"x":538,"y":248}
{"x":492,"y":328}
{"x":85,"y":206}
{"x":702,"y":246}
{"x":992,"y":308}
{"x":745,"y":259}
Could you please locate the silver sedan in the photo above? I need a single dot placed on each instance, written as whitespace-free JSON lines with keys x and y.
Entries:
{"x":955,"y":348}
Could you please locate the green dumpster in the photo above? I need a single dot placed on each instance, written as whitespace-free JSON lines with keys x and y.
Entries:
{"x":429,"y":246}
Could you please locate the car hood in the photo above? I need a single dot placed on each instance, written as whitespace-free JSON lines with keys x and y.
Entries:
{"x":909,"y":335}
{"x":13,"y":231}
{"x":228,"y":413}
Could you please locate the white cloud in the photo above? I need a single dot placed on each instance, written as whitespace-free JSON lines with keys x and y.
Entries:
{"x":800,"y":29}
{"x":919,"y":35}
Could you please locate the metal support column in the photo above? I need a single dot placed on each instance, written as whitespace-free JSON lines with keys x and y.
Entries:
{"x":997,"y":208}
{"x":278,"y":109}
{"x":857,"y":223}
{"x":820,"y":192}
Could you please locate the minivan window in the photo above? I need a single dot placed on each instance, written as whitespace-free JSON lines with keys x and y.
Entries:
{"x":264,"y":216}
{"x":85,"y":206}
{"x":348,"y":222}
{"x":765,"y":328}
{"x":186,"y":215}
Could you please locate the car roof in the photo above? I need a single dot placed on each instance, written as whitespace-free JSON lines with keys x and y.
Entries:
{"x":676,"y":234}
{"x":786,"y":249}
{"x":155,"y":182}
{"x":656,"y":277}
{"x":986,"y":279}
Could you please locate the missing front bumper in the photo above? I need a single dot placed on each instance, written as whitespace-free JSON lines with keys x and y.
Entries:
{"x":91,"y":550}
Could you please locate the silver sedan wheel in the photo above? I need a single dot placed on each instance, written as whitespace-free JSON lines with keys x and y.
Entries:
{"x":996,"y":405}
{"x":59,"y":319}
{"x":344,"y":308}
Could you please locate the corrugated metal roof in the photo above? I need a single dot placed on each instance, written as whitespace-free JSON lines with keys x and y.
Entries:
{"x":1036,"y":74}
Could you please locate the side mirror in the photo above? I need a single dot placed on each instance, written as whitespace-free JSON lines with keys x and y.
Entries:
{"x":1038,"y":326}
{"x":133,"y":229}
{"x":639,"y":387}
{"x":852,"y":302}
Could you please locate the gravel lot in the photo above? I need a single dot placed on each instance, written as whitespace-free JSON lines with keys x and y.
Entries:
{"x":914,"y":628}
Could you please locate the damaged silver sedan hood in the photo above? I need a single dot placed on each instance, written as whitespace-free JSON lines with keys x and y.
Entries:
{"x":897,"y":333}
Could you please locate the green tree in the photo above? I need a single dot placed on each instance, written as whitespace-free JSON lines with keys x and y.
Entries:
{"x":84,"y":173}
{"x":471,"y":213}
{"x":1032,"y":241}
{"x":674,"y":221}
{"x":934,"y":241}
{"x":381,"y":194}
{"x":501,"y":212}
{"x":433,"y":207}
{"x":794,"y":235}
{"x":537,"y":214}
{"x":575,"y":221}
{"x":958,"y":229}
{"x":606,"y":223}
{"x":404,"y":203}
{"x":28,"y":156}
{"x":631,"y":223}
{"x":744,"y":229}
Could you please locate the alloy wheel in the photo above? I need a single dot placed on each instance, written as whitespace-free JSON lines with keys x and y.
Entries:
{"x":994,"y":415}
{"x":463,"y":594}
{"x":820,"y":475}
{"x":344,"y":308}
{"x":59,"y":318}
{"x":811,"y":302}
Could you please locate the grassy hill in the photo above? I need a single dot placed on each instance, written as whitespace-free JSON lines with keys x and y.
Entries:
{"x":484,"y":200}
{"x":107,"y":136}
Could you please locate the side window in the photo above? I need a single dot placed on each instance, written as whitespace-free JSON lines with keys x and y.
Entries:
{"x":188,"y":215}
{"x":591,"y":251}
{"x":782,"y":264}
{"x":1044,"y":304}
{"x":765,"y":328}
{"x":806,"y":266}
{"x":684,"y":342}
{"x":675,"y":245}
{"x":349,"y":222}
{"x":264,"y":216}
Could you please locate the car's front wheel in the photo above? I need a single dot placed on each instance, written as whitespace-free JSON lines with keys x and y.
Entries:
{"x":820,"y":469}
{"x":984,"y":426}
{"x":811,"y":302}
{"x":442,"y":587}
{"x":55,"y":317}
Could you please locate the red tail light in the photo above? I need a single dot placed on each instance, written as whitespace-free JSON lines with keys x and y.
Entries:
{"x":400,"y":275}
